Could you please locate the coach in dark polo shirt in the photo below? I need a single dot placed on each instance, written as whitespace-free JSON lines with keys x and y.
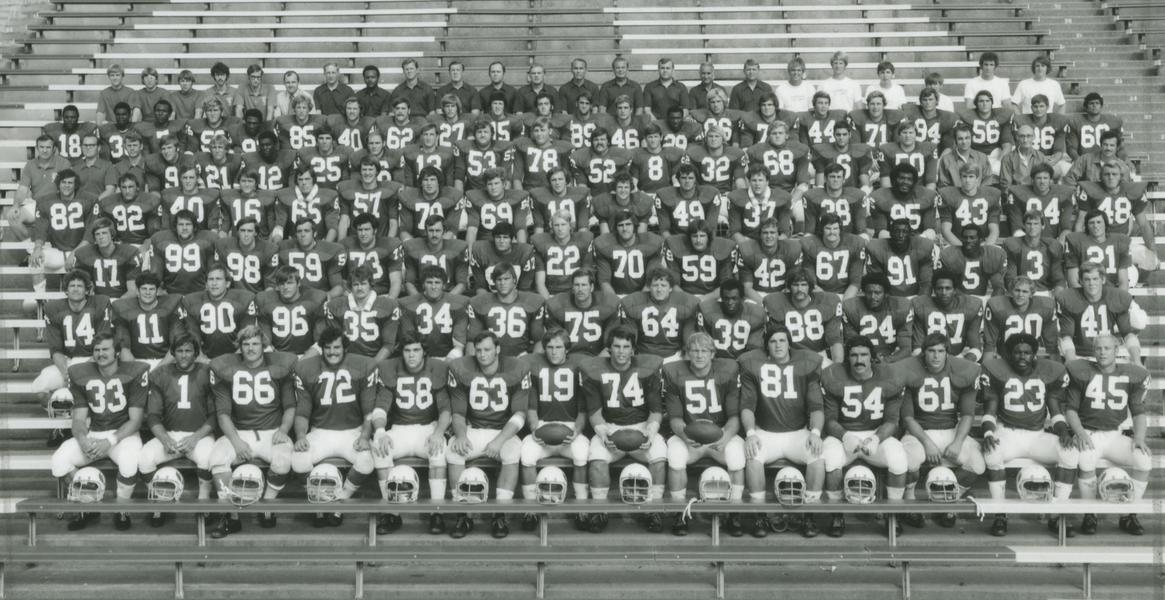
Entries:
{"x":422,"y":100}
{"x":618,"y":86}
{"x":497,"y":83}
{"x":569,"y":92}
{"x":331,"y":95}
{"x":373,"y":98}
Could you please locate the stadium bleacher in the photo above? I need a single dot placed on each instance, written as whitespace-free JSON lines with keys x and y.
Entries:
{"x":60,"y":57}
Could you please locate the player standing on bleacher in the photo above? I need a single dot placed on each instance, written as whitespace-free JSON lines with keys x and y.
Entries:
{"x":147,"y":324}
{"x":217,"y":313}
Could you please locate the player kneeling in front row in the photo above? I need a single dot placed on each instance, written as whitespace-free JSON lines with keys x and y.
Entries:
{"x":1102,"y":394}
{"x":254,"y":396}
{"x":556,"y":418}
{"x":489,"y":396}
{"x":943,"y":391}
{"x":782,"y":415}
{"x":334,"y":396}
{"x":180,"y":414}
{"x":410,"y":420}
{"x":623,"y":399}
{"x":1020,"y":393}
{"x":105,"y":424}
{"x":702,"y":396}
{"x":862,"y":405}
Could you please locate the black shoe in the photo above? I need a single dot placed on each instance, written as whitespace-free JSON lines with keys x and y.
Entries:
{"x":1054,"y":527}
{"x":946,"y":520}
{"x":334,"y":519}
{"x":267,"y":520}
{"x":779,"y":524}
{"x":461,"y":528}
{"x":733,"y":526}
{"x":1131,"y":525}
{"x":529,"y":522}
{"x":157,"y":519}
{"x":218,"y":528}
{"x":999,"y":526}
{"x":234,"y":524}
{"x":653,"y":523}
{"x":121,"y":521}
{"x":83,"y":520}
{"x":582,"y":521}
{"x":598,"y":523}
{"x":809,"y":527}
{"x":1088,"y":525}
{"x":320,"y":521}
{"x":436,"y":524}
{"x":679,"y":527}
{"x":836,"y":526}
{"x":913,"y":520}
{"x":500,"y":527}
{"x":386,"y":524}
{"x":760,"y":526}
{"x":56,"y":438}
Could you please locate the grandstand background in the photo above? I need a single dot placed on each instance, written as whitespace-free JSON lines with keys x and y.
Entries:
{"x":56,"y":53}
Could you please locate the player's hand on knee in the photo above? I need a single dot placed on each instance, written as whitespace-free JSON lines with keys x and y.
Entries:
{"x":101,"y":449}
{"x":361,"y":444}
{"x":493,"y":449}
{"x":462,"y":446}
{"x":280,"y":438}
{"x":934,"y":456}
{"x":990,"y":442}
{"x":814,"y":444}
{"x":301,"y":445}
{"x":951,"y":453}
{"x":752,"y":447}
{"x":183,"y":445}
{"x":1084,"y":442}
{"x":242,"y":450}
{"x":434,"y":446}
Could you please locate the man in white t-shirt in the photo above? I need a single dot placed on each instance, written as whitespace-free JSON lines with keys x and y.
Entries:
{"x":795,"y":94}
{"x":844,"y":93}
{"x":894,"y":93}
{"x":1039,"y":83}
{"x":998,"y":86}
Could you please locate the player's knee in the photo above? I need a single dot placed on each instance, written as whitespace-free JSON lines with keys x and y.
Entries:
{"x":532,"y":452}
{"x":658,"y":450}
{"x":452,"y":457}
{"x":834,"y":454}
{"x":579,"y":450}
{"x":972,"y":458}
{"x":301,"y":462}
{"x":64,"y":459}
{"x":734,"y":454}
{"x":1086,"y":459}
{"x":281,"y":459}
{"x":1142,"y":461}
{"x":1068,"y":458}
{"x":677,"y":453}
{"x":895,"y":456}
{"x":201,"y":453}
{"x":362,"y":463}
{"x":915,"y":454}
{"x":511,"y":451}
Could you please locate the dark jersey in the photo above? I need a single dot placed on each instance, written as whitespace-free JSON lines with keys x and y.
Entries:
{"x":625,"y":397}
{"x":109,"y":398}
{"x":700,"y":271}
{"x":624,"y":266}
{"x":585,"y":327}
{"x":560,"y":261}
{"x":291,"y":325}
{"x":1105,"y":400}
{"x":765,"y":268}
{"x":782,"y":396}
{"x":713,"y":397}
{"x":835,"y":269}
{"x":909,"y":272}
{"x":110,"y":274}
{"x":1044,"y":264}
{"x":861,"y":405}
{"x":147,"y":333}
{"x":180,"y":400}
{"x":488,"y":401}
{"x":815,"y":326}
{"x":70,"y":332}
{"x":247,"y":268}
{"x":961,"y":322}
{"x":369,"y":326}
{"x":517,"y":324}
{"x":663,"y":326}
{"x":439,"y":323}
{"x":938,"y":400}
{"x":1083,"y":320}
{"x":182,"y":263}
{"x":558,"y":393}
{"x":253,"y":398}
{"x":413,"y":397}
{"x":1002,"y":319}
{"x":335,"y":397}
{"x":732,"y":336}
{"x":888,"y":327}
{"x":990,"y":267}
{"x":1024,"y":402}
{"x":218,"y":320}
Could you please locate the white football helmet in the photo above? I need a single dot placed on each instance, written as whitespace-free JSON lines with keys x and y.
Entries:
{"x":323,"y":483}
{"x":87,"y":486}
{"x":472,"y":486}
{"x":404,"y":486}
{"x":61,"y":404}
{"x":1115,"y":485}
{"x":246,"y":485}
{"x":942,"y":485}
{"x":861,"y":486}
{"x":715,"y":485}
{"x":166,"y":485}
{"x":789,"y":486}
{"x":1034,"y":483}
{"x":635,"y":484}
{"x":552,"y":485}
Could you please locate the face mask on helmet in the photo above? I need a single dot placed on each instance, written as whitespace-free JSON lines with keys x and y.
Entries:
{"x":635,"y":484}
{"x":60,"y":404}
{"x":715,"y":485}
{"x":942,"y":485}
{"x":551,"y":485}
{"x":1034,"y":483}
{"x":87,"y":486}
{"x":323,"y":484}
{"x":472,"y":486}
{"x":246,"y":485}
{"x":403,"y":485}
{"x":789,"y":486}
{"x":1115,"y":485}
{"x":166,"y":485}
{"x":861,"y":487}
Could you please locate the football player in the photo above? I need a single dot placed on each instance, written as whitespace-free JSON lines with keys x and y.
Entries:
{"x":678,"y":131}
{"x":816,"y":126}
{"x":1055,"y":202}
{"x":766,"y":261}
{"x":537,"y":156}
{"x":249,"y":202}
{"x":110,"y":397}
{"x":876,"y":125}
{"x":653,"y":164}
{"x":411,"y":417}
{"x":290,"y":314}
{"x":907,"y":148}
{"x":904,"y":200}
{"x":1021,"y":310}
{"x":1102,"y":395}
{"x":906,"y":260}
{"x":932,"y":124}
{"x":717,"y":115}
{"x":856,"y":158}
{"x":320,"y":264}
{"x":584,"y":313}
{"x":247,"y":255}
{"x":430,"y":201}
{"x":426,"y":153}
{"x":1094,"y":308}
{"x":561,"y":253}
{"x":335,"y":392}
{"x":949,"y":312}
{"x":1035,"y":256}
{"x":492,"y":204}
{"x":624,"y":256}
{"x":369,"y":321}
{"x":813,"y":318}
{"x":700,"y":261}
{"x":163,"y":167}
{"x":147,"y":324}
{"x":391,"y":160}
{"x":969,"y":204}
{"x":180,"y":256}
{"x":663,"y":317}
{"x":847,"y":203}
{"x":703,"y":388}
{"x":383,"y":255}
{"x":399,"y":125}
{"x":622,"y":392}
{"x":273,"y":165}
{"x":193,"y":193}
{"x":836,"y":256}
{"x":991,"y":128}
{"x":489,"y":395}
{"x":677,"y":207}
{"x":754,"y":125}
{"x":786,"y":160}
{"x":352,"y":127}
{"x":748,"y":208}
{"x":574,"y":199}
{"x":297,"y":130}
{"x":180,"y":413}
{"x":1088,"y":127}
{"x":135,"y":212}
{"x":486,"y":256}
{"x":880,"y":317}
{"x":478,"y":154}
{"x":735,"y":325}
{"x":214,"y":121}
{"x":782,"y":415}
{"x":433,"y":249}
{"x":306,"y":200}
{"x":862,"y":403}
{"x":254,"y":396}
{"x":435,"y":315}
{"x":983,"y":266}
{"x":1096,"y":244}
{"x":513,"y":316}
{"x":112,"y":265}
{"x":62,"y":220}
{"x":719,"y":165}
{"x":367,"y":194}
{"x":1049,"y":133}
{"x":1020,"y":393}
{"x":943,"y":393}
{"x":214,"y":315}
{"x":597,"y":164}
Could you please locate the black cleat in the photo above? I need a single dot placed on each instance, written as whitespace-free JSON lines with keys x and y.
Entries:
{"x":83,"y":520}
{"x":779,"y":523}
{"x":946,"y":520}
{"x":999,"y":526}
{"x":913,"y":520}
{"x":760,"y":526}
{"x":1088,"y":525}
{"x":267,"y":520}
{"x":334,"y":519}
{"x":598,"y":523}
{"x":157,"y":519}
{"x":582,"y":521}
{"x":436,"y":524}
{"x":218,"y":527}
{"x":461,"y":528}
{"x":1131,"y":525}
{"x":733,"y":526}
{"x":386,"y":524}
{"x":234,"y":524}
{"x":836,"y":526}
{"x":653,"y":523}
{"x":809,"y":527}
{"x":679,"y":527}
{"x":1054,"y":527}
{"x":121,"y":521}
{"x":500,"y":527}
{"x":529,"y":522}
{"x":321,"y":520}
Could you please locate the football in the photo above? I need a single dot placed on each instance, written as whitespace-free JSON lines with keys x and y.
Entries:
{"x":628,"y":440}
{"x":703,"y":431}
{"x":552,"y":434}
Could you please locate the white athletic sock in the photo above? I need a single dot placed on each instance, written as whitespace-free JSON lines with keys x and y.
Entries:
{"x":347,"y":491}
{"x":657,"y":492}
{"x":124,"y":491}
{"x":812,"y":497}
{"x":580,"y":491}
{"x":1087,"y":488}
{"x":505,"y":494}
{"x":998,"y":489}
{"x":1063,"y":491}
{"x":599,"y":493}
{"x":756,"y":496}
{"x":530,"y":492}
{"x":833,"y":495}
{"x":678,"y":495}
{"x":1139,"y":488}
{"x":894,"y":493}
{"x":437,"y":489}
{"x":737,"y":492}
{"x":205,"y":487}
